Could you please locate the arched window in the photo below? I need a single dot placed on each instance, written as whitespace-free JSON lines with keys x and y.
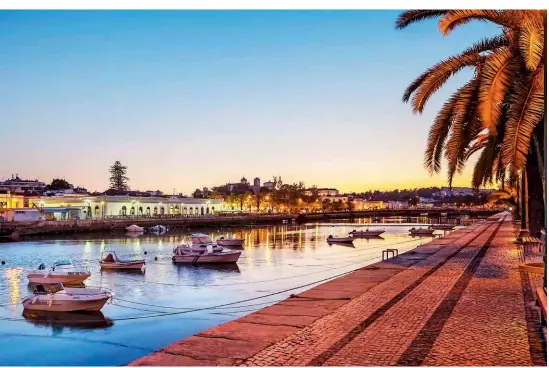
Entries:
{"x":184,"y":210}
{"x":161,"y":210}
{"x":123,"y":211}
{"x":177,"y":211}
{"x":202,"y":211}
{"x":148,"y":211}
{"x":213,"y":209}
{"x":132,"y":211}
{"x":171,"y":210}
{"x":207,"y":210}
{"x":155,"y":211}
{"x":140,"y":211}
{"x":196,"y":210}
{"x":191,"y":211}
{"x":96,"y":210}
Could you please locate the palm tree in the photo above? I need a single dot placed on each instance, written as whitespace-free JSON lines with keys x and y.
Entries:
{"x":499,"y":112}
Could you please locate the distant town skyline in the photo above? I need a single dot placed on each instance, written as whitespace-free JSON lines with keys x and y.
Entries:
{"x":188,"y":99}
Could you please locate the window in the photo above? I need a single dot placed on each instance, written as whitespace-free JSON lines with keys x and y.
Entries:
{"x":196,"y":210}
{"x":213,"y":209}
{"x":132,"y":211}
{"x":148,"y":211}
{"x":96,"y":210}
{"x":177,"y":211}
{"x":141,"y":211}
{"x":123,"y":211}
{"x":207,"y":210}
{"x":161,"y":210}
{"x":171,"y":210}
{"x":191,"y":211}
{"x":184,"y":210}
{"x":155,"y":210}
{"x":202,"y":211}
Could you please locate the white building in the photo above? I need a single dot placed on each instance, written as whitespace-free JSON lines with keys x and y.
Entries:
{"x":17,"y":185}
{"x":105,"y":206}
{"x":396,"y":205}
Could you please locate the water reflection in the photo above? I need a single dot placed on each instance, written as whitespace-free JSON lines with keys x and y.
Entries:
{"x":13,"y":275}
{"x":76,"y":320}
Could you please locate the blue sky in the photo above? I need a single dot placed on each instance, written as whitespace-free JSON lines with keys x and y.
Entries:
{"x":188,"y":99}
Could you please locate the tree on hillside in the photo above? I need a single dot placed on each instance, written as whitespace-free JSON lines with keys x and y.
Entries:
{"x":198,"y":194}
{"x":58,"y":184}
{"x":118,"y":179}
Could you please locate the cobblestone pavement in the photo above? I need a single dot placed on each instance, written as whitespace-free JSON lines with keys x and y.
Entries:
{"x":459,"y":300}
{"x":317,"y":342}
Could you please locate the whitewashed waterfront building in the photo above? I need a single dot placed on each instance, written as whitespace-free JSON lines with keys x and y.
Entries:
{"x":114,"y":206}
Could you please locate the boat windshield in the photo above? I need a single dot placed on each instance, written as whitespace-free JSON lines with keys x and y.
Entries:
{"x":64,"y":262}
{"x":201,"y":240}
{"x":56,"y":287}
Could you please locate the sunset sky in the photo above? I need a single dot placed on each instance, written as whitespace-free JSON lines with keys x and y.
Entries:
{"x":188,"y":99}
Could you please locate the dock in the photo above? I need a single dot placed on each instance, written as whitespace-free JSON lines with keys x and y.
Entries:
{"x":458,"y":300}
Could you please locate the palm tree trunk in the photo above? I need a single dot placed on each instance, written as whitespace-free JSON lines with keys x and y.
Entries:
{"x":523,"y":201}
{"x":535,"y":200}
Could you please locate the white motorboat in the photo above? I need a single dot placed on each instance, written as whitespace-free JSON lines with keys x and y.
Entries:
{"x":443,"y":226}
{"x":424,"y":214}
{"x":111,"y":261}
{"x":135,"y":229}
{"x":366,"y":233}
{"x":235,"y":242}
{"x":347,"y":239}
{"x":57,"y":298}
{"x":61,"y":272}
{"x":200,"y":243}
{"x":185,"y":254}
{"x":421,"y":231}
{"x":159,"y":229}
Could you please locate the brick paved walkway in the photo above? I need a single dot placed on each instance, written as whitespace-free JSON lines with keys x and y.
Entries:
{"x":458,"y":300}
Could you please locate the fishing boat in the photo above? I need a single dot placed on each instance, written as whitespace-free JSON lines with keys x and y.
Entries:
{"x":200,"y":243}
{"x":235,"y":242}
{"x":183,"y":253}
{"x":111,"y":261}
{"x":158,"y":229}
{"x":135,"y":229}
{"x":366,"y":233}
{"x":443,"y":226}
{"x":62,"y":271}
{"x":421,"y":231}
{"x":347,"y":239}
{"x":57,"y":298}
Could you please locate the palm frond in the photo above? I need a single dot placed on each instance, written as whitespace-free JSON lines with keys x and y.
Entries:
{"x":527,"y":110}
{"x":453,"y":64}
{"x":438,"y":134}
{"x":531,"y":40}
{"x":412,"y":16}
{"x":455,"y":18}
{"x":497,"y":74}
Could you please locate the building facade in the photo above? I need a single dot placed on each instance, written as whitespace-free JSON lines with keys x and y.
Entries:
{"x":111,"y":206}
{"x":16,"y":184}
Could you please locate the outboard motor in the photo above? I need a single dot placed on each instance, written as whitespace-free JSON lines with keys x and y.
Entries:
{"x":42,"y":267}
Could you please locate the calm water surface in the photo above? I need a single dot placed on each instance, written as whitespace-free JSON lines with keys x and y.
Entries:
{"x":150,"y":309}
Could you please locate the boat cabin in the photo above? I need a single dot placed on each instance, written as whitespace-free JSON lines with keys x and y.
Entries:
{"x":62,"y":265}
{"x":50,"y":289}
{"x":201,"y":239}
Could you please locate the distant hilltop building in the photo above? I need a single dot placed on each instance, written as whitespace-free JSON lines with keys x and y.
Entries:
{"x":244,"y":186}
{"x":446,"y":192}
{"x":323,"y":192}
{"x":18,"y":185}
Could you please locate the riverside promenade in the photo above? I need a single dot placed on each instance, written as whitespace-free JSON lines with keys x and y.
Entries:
{"x":456,"y":301}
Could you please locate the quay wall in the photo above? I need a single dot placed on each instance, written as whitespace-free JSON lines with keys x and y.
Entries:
{"x":16,"y":230}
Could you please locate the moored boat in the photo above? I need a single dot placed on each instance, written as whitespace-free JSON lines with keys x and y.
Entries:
{"x":235,"y":242}
{"x":111,"y":261}
{"x":135,"y":229}
{"x":366,"y":233}
{"x":200,"y":243}
{"x":57,"y":298}
{"x":158,"y":229}
{"x":185,"y":254}
{"x":75,"y":319}
{"x":443,"y":226}
{"x":421,"y":231}
{"x":61,"y":272}
{"x":346,"y":239}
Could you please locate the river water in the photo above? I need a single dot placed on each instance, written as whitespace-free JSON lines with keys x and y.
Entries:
{"x":154,"y":308}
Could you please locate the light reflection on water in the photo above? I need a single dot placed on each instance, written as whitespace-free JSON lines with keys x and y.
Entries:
{"x":274,"y":258}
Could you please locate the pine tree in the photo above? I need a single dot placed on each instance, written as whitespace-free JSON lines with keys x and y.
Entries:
{"x":118,"y":179}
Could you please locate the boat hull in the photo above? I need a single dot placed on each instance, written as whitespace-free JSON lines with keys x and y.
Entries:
{"x":52,"y":278}
{"x":207,"y":258}
{"x":366,"y":234}
{"x":443,"y":227}
{"x":340,"y":240}
{"x":230,"y":242}
{"x":136,"y":265}
{"x":422,"y":232}
{"x":43,"y":304}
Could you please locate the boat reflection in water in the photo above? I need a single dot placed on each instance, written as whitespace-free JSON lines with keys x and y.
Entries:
{"x":221,"y":267}
{"x":76,"y":320}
